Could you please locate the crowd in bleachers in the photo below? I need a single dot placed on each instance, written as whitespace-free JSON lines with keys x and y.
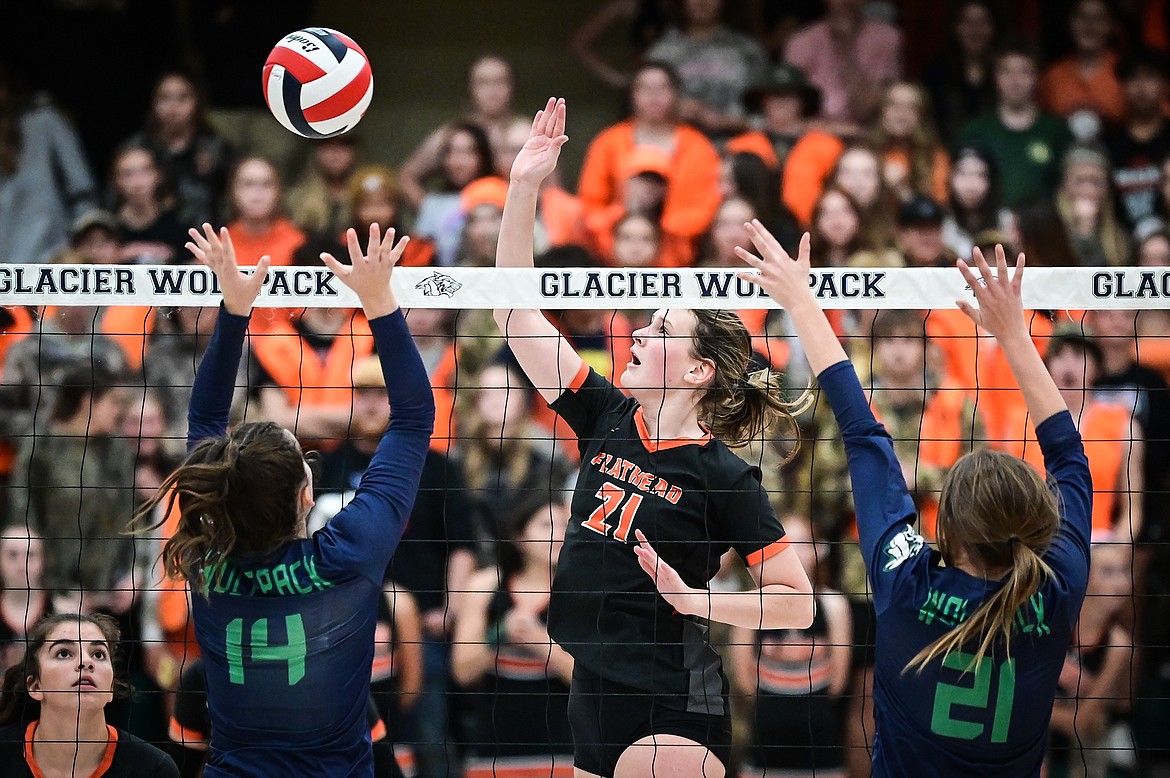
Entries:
{"x":1019,"y":124}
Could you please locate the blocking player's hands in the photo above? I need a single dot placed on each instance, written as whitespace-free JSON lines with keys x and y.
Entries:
{"x":368,"y":274}
{"x":538,"y":158}
{"x":783,"y":277}
{"x":1001,"y":307}
{"x":683,"y":598}
{"x":215,"y":250}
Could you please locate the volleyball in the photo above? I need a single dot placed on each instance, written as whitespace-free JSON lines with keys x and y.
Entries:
{"x":317,"y":82}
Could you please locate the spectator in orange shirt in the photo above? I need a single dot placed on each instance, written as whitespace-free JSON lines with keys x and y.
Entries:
{"x":373,"y":197}
{"x":914,"y":161}
{"x":803,"y":156}
{"x":260,"y":228}
{"x":692,"y":170}
{"x":1084,"y":82}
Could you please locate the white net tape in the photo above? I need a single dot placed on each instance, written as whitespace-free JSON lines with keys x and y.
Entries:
{"x":479,"y":288}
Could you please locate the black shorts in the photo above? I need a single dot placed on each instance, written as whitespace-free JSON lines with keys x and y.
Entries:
{"x":606,"y":717}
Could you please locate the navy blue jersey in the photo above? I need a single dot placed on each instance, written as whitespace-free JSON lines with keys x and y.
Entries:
{"x":288,"y":640}
{"x":947,"y":720}
{"x":694,"y":500}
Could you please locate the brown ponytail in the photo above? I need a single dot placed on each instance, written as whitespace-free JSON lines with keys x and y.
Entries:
{"x":737,"y":407}
{"x":236,"y":493}
{"x":997,"y":511}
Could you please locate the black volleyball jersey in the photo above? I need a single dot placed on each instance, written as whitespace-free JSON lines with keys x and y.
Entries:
{"x":693,"y":500}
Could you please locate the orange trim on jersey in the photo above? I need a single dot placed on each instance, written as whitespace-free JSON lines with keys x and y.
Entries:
{"x":534,"y":767}
{"x":378,"y":731}
{"x":188,"y":738}
{"x":579,"y":379}
{"x":778,"y":679}
{"x":767,"y":552}
{"x":662,"y":445}
{"x":107,"y":757}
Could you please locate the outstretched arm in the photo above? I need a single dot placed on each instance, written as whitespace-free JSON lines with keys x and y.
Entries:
{"x":215,"y":381}
{"x":547,"y":358}
{"x":1001,"y":312}
{"x":363,"y":536}
{"x":880,"y":497}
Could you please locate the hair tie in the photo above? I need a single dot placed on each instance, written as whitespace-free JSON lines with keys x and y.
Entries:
{"x":1014,"y":540}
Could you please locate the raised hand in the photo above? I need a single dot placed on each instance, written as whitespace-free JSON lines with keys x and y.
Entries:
{"x":538,"y":158}
{"x":684,"y":599}
{"x":1001,"y":307}
{"x":368,"y":275}
{"x":216,"y":252}
{"x":783,"y":277}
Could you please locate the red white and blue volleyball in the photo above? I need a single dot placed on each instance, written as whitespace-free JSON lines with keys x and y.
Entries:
{"x":318,"y":82}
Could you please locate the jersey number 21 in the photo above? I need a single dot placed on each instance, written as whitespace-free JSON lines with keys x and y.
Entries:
{"x":612,"y":498}
{"x":978,"y":695}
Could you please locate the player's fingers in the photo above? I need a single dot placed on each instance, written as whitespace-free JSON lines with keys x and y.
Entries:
{"x":981,"y":265}
{"x":1001,"y":268}
{"x":752,"y":278}
{"x":197,"y":252}
{"x":559,"y":119}
{"x":374,"y":246}
{"x":748,"y":256}
{"x":197,"y":238}
{"x":765,"y":241}
{"x":398,"y":249}
{"x":339,"y":270}
{"x":1018,"y":278}
{"x":261,"y":270}
{"x":355,"y":248}
{"x":212,"y":238}
{"x":971,"y":311}
{"x":804,"y":251}
{"x":229,"y":249}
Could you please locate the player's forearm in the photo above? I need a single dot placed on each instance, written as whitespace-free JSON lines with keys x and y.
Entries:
{"x":215,"y":380}
{"x":515,"y":250}
{"x":774,"y":606}
{"x":816,"y":335}
{"x":407,"y":384}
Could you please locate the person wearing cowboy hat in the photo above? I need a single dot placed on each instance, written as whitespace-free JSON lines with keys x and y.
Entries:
{"x":784,"y":102}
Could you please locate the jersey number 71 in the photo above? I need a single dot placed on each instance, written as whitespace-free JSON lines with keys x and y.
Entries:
{"x":612,"y":498}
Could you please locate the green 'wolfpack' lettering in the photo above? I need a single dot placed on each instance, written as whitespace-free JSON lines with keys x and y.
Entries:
{"x":285,"y":579}
{"x":952,"y":611}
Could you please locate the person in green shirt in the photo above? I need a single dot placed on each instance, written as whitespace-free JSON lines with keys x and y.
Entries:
{"x":1027,"y":143}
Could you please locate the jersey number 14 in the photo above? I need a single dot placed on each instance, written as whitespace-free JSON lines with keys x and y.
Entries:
{"x":613,"y":503}
{"x":291,"y":653}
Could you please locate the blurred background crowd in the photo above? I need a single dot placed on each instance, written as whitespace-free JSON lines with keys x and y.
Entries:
{"x":900,"y":133}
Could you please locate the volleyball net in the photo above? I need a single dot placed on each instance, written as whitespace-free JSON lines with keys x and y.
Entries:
{"x":97,"y":363}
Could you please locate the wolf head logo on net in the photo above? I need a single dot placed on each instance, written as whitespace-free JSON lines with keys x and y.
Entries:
{"x":437,"y":284}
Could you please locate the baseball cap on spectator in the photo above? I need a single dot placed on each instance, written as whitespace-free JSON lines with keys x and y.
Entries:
{"x":367,"y":374}
{"x":784,"y":80}
{"x":647,"y":159}
{"x":489,"y":190}
{"x":920,"y":211}
{"x":93,"y":220}
{"x":1076,"y":336}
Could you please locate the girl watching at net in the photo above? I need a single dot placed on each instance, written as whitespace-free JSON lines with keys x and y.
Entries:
{"x":286,"y":621}
{"x":971,"y":638}
{"x":648,"y":694}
